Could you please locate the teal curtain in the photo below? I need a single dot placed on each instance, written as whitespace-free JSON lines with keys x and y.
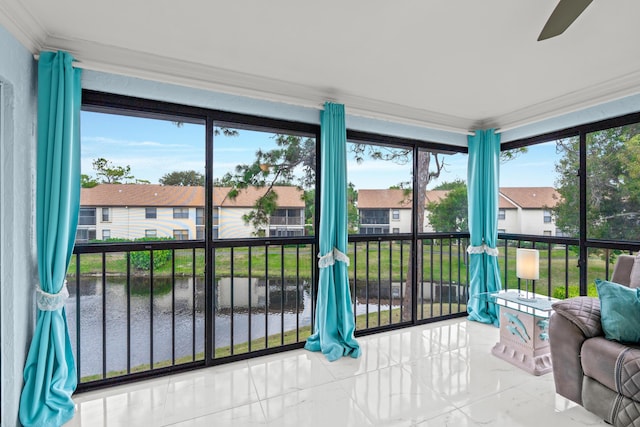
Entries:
{"x":50,"y":371}
{"x":482,"y":181}
{"x":334,"y":323}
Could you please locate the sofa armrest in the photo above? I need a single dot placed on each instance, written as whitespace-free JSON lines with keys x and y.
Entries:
{"x":583,"y":312}
{"x":574,"y":321}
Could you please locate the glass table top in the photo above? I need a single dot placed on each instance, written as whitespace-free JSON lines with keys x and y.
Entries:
{"x":526,"y":302}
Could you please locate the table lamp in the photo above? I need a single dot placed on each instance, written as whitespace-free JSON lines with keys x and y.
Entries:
{"x":528,"y":268}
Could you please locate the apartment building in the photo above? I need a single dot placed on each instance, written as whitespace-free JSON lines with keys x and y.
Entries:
{"x":523,"y":210}
{"x":132,"y":211}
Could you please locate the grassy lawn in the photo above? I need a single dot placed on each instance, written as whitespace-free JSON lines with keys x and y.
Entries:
{"x":377,"y":261}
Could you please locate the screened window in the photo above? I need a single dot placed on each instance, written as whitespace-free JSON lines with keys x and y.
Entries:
{"x":445,"y":200}
{"x":541,"y":185}
{"x":181,"y":234}
{"x":84,"y":235}
{"x":613,"y":183}
{"x":374,"y":216}
{"x":158,"y":159}
{"x":264,"y":182}
{"x":200,"y":216}
{"x":150,"y":233}
{"x":106,"y":234}
{"x":180,"y":213}
{"x":502,"y":214}
{"x":87,"y":216}
{"x":379,"y":185}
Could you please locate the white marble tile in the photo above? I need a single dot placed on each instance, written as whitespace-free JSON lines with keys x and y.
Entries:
{"x":240,"y":416}
{"x":324,"y":405}
{"x":207,"y":391}
{"x":438,"y":374}
{"x":286,"y":372}
{"x":372,"y":358}
{"x":517,"y":409}
{"x":141,"y":402}
{"x":393,"y":395}
{"x":454,"y":418}
{"x":464,"y":376}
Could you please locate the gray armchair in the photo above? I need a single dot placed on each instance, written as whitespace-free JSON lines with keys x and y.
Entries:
{"x":599,"y":374}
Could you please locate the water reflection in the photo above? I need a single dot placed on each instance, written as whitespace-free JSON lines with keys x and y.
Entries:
{"x":167,"y":317}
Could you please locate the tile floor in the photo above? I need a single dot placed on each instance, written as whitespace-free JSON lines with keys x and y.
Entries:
{"x":442,"y":374}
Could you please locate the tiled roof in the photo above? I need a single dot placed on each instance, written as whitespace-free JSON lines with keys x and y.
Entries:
{"x":504,"y":203}
{"x":532,"y":197}
{"x":390,"y":199}
{"x":288,"y":197}
{"x":510,"y":198}
{"x":105,"y":195}
{"x":436,"y":195}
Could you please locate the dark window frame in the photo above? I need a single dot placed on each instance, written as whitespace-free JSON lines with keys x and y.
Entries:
{"x":150,"y":213}
{"x":581,"y":131}
{"x":180,"y":213}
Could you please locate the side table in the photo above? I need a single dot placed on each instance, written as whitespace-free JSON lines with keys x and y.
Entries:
{"x":524,"y":338}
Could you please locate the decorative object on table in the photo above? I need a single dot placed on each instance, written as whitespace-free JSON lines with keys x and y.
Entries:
{"x":524,"y":339}
{"x":527,"y":268}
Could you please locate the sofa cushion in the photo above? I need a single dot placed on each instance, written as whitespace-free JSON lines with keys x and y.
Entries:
{"x":623,"y":268}
{"x":614,"y":365}
{"x":619,"y":311}
{"x":583,"y":312}
{"x":634,"y":275}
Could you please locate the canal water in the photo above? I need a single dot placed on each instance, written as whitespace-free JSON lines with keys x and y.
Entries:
{"x":170,"y":322}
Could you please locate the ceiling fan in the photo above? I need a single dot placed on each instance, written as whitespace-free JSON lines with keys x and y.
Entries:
{"x":562,"y":17}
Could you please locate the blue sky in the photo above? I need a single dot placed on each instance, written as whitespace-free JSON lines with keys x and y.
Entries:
{"x":153,"y":148}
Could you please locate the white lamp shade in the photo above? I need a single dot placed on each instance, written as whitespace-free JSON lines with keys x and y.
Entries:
{"x":528,"y":264}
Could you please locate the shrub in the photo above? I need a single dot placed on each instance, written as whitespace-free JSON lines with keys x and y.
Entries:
{"x":141,"y":260}
{"x":574,"y":291}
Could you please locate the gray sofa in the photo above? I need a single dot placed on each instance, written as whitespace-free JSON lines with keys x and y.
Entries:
{"x":599,"y":374}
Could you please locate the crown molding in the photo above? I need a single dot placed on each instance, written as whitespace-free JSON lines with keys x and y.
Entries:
{"x":99,"y":57}
{"x":22,"y":25}
{"x":91,"y":55}
{"x":597,"y":94}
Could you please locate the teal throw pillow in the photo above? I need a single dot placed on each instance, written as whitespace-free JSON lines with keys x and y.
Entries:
{"x":619,"y":311}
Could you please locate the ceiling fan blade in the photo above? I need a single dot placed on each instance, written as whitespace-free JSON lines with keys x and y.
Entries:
{"x":563,"y":15}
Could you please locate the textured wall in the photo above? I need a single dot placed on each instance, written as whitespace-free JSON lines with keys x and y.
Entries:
{"x":18,"y":269}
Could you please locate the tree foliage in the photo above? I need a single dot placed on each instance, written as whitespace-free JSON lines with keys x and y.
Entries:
{"x":108,"y":173}
{"x":183,"y":178}
{"x":353,"y":218}
{"x":270,"y":168}
{"x":87,"y":181}
{"x":613,"y":184}
{"x":451,"y":212}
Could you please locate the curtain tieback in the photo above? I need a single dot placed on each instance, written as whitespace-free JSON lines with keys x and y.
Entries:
{"x":330,"y":258}
{"x":482,"y":249}
{"x":51,"y":302}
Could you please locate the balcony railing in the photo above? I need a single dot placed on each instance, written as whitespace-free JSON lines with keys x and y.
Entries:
{"x":374,"y":221}
{"x":143,"y":309}
{"x":283,"y":220}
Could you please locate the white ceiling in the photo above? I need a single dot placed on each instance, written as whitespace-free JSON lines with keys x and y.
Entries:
{"x":446,"y":64}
